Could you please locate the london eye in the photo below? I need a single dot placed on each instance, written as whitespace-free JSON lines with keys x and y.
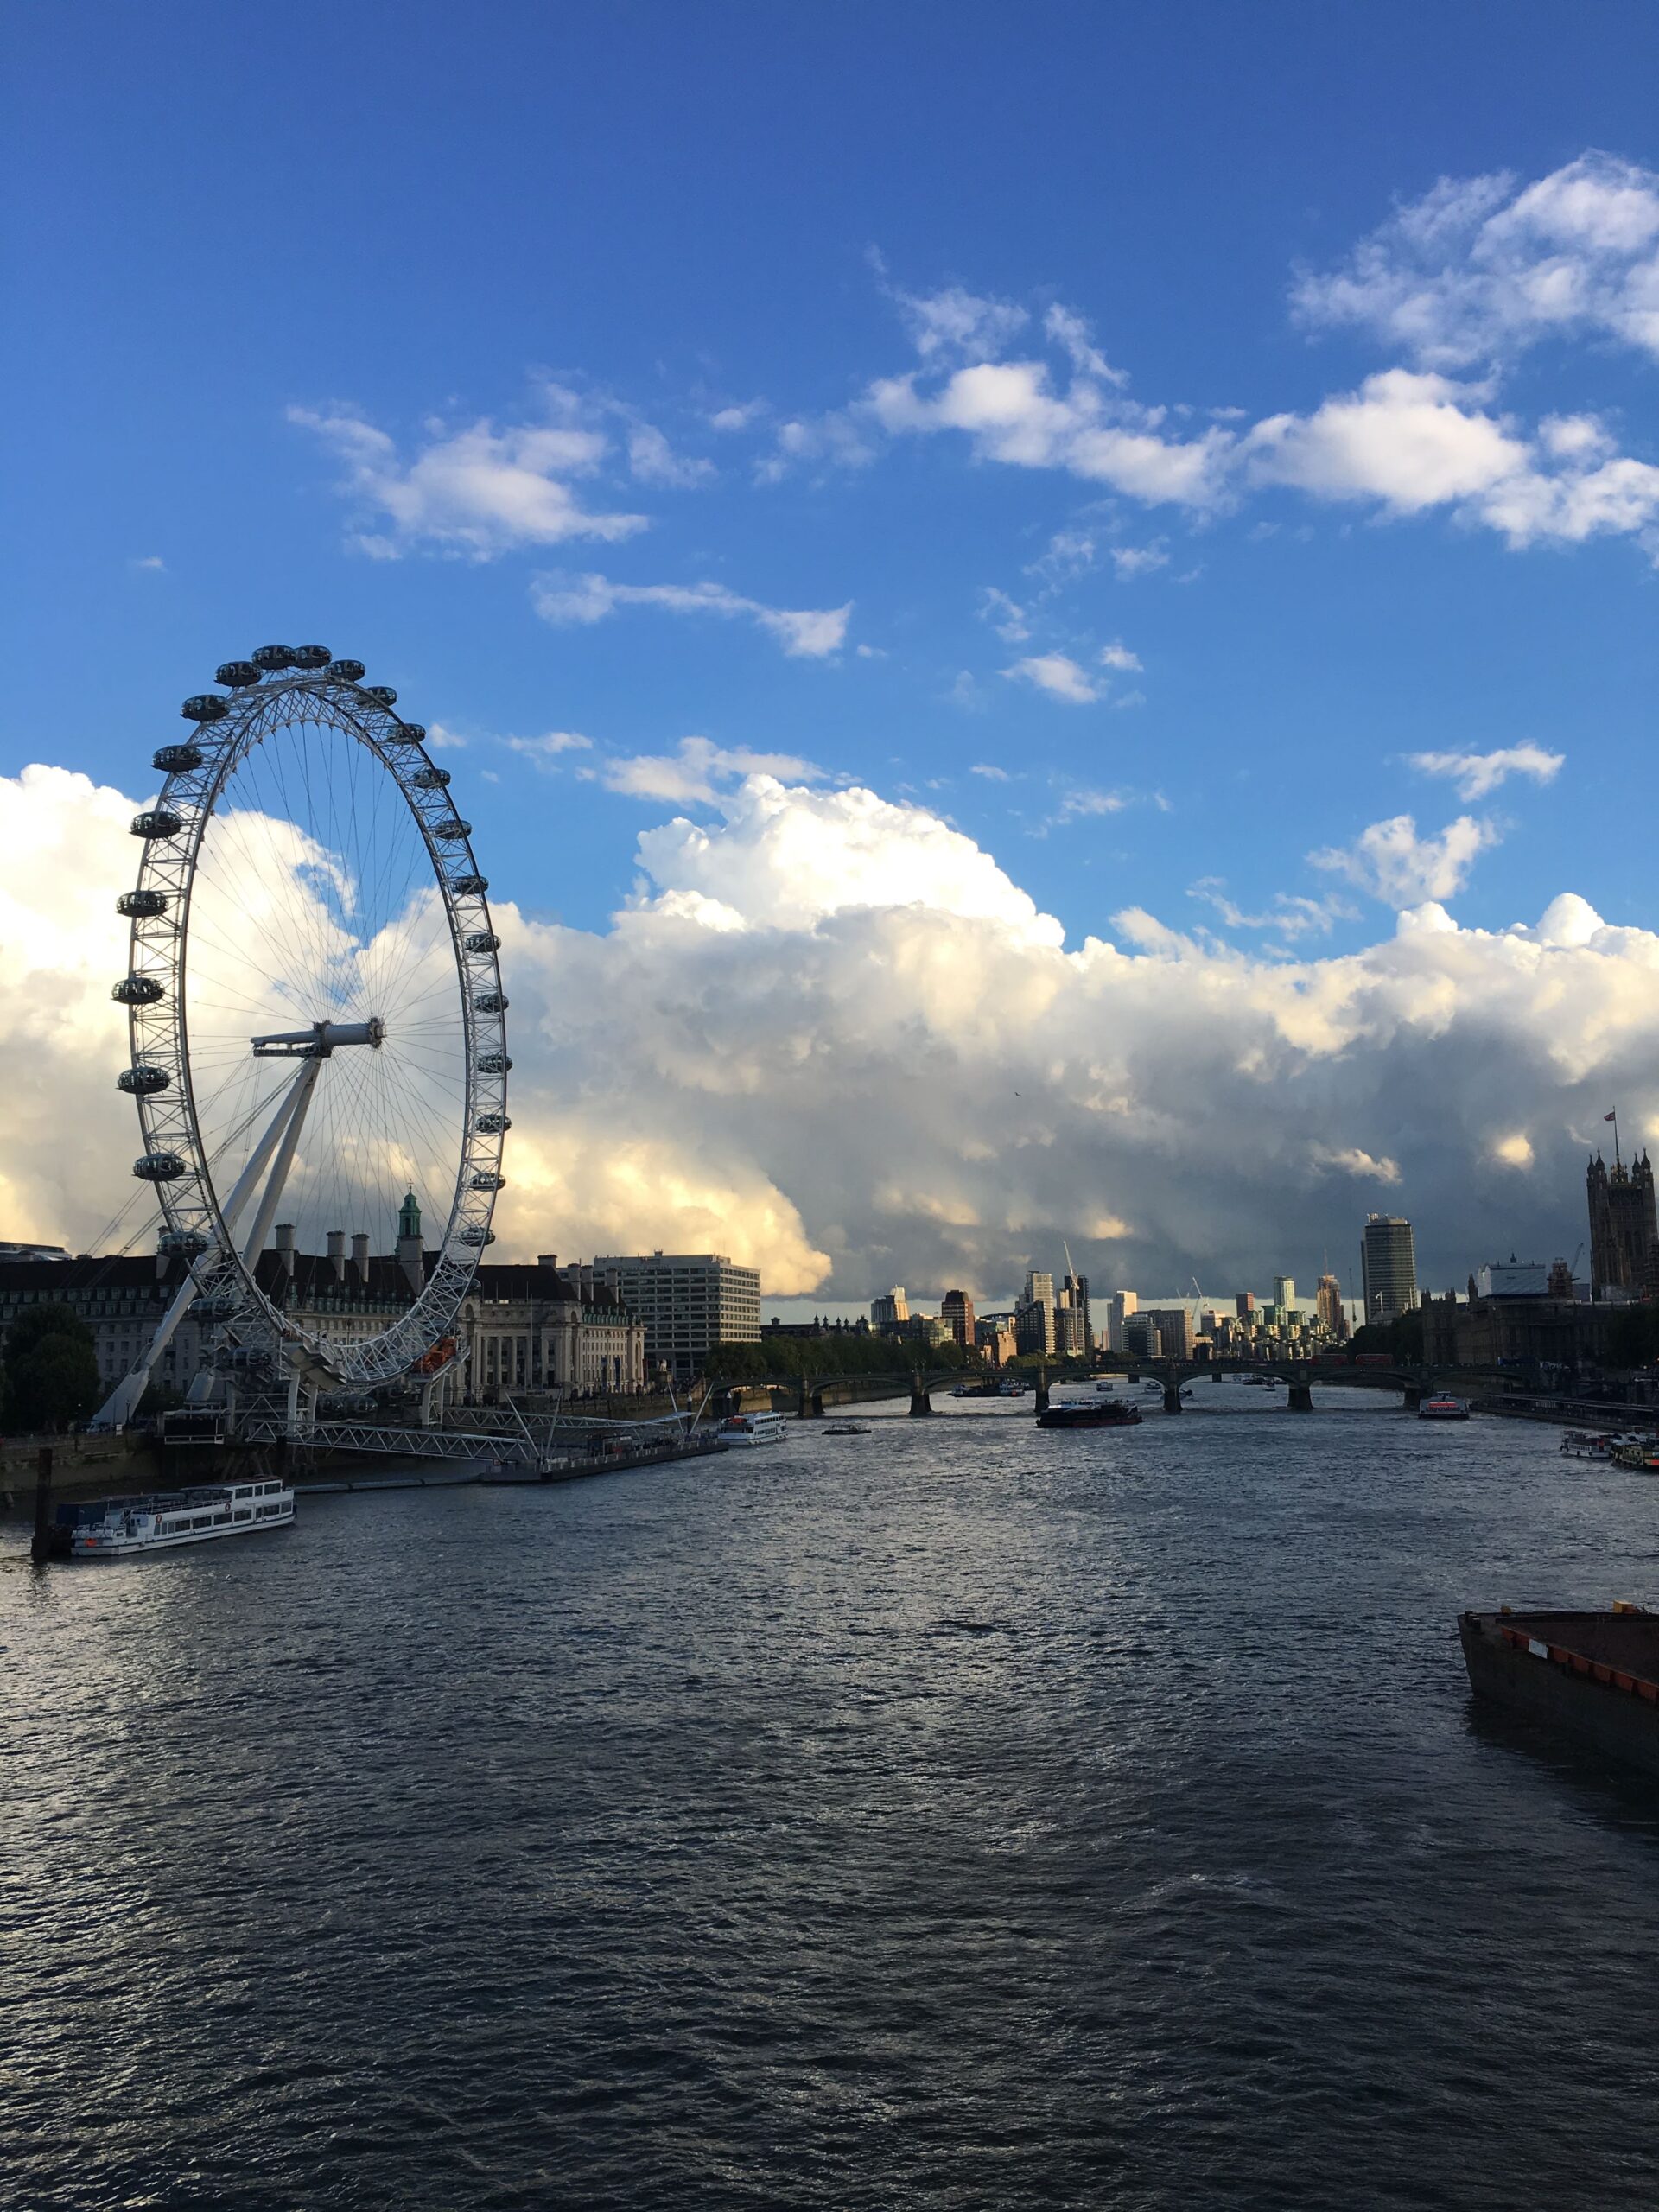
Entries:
{"x":315,"y":1018}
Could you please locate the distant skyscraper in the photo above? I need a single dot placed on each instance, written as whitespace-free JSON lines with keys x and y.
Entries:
{"x":1074,"y":1298}
{"x":1328,"y":1302}
{"x":1624,"y":1234}
{"x":1243,"y":1303}
{"x":1284,"y":1291}
{"x":1119,"y":1306}
{"x":956,"y":1309}
{"x":887,"y":1313}
{"x":1039,"y":1292}
{"x":1388,"y":1263}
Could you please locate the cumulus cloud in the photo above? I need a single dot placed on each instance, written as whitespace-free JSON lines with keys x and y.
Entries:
{"x":478,"y":491}
{"x":802,"y":1041}
{"x":1477,"y":775}
{"x":1483,"y":267}
{"x":809,"y":633}
{"x":1394,"y":864}
{"x":547,"y":749}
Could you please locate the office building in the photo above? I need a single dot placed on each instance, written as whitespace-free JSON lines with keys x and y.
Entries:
{"x":887,"y":1313}
{"x":1076,"y":1334}
{"x":1141,"y":1336}
{"x":1243,"y":1304}
{"x":1174,"y":1326}
{"x":1327,"y":1302}
{"x":1284,"y":1293}
{"x":956,"y":1311}
{"x":1388,"y":1266}
{"x":689,"y":1301}
{"x":1119,"y":1306}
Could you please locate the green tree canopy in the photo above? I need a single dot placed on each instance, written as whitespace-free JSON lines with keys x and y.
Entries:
{"x":51,"y":1370}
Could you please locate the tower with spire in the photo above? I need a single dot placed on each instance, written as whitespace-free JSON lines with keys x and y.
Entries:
{"x":411,"y":1245}
{"x":1624,"y":1228}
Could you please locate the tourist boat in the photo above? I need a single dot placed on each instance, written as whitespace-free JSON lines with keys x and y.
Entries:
{"x":753,"y":1428}
{"x":1441,"y":1407}
{"x":120,"y":1527}
{"x":1641,"y":1453}
{"x":1587,"y":1444}
{"x":1090,"y":1413}
{"x":1107,"y":1385}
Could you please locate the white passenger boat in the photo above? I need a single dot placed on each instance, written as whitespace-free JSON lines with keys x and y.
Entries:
{"x":753,"y":1428}
{"x":118,"y":1528}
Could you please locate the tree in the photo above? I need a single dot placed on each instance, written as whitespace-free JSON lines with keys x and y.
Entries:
{"x":51,"y":1370}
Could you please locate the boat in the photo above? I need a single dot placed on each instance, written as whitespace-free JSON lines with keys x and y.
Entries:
{"x":848,"y":1428}
{"x":1090,"y":1413}
{"x":1590,"y":1676}
{"x":121,"y":1527}
{"x":1441,"y":1407}
{"x":1105,"y":1386}
{"x":1641,"y":1453}
{"x":1587,"y":1444}
{"x":753,"y":1428}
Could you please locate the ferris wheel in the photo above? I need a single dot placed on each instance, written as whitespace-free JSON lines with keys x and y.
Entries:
{"x":315,"y":1014}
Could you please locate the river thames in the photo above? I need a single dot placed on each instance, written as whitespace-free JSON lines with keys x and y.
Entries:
{"x":957,"y":1816}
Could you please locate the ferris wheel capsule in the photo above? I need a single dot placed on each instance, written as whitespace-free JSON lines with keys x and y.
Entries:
{"x":205,"y":707}
{"x":347,"y":672}
{"x":455,"y":831}
{"x":469,"y":886}
{"x":182,"y":1243}
{"x":159,"y":1167}
{"x":482,"y":941}
{"x":409,"y":734}
{"x":382,"y":694}
{"x":141,"y":902}
{"x":490,"y":1002}
{"x":156,"y":822}
{"x":430,"y":779}
{"x":139,"y":990}
{"x":176,"y":760}
{"x":141,"y":1081}
{"x":240,"y":674}
{"x":492,"y":1125}
{"x":493,"y":1064}
{"x":271,"y":660}
{"x":309,"y":656}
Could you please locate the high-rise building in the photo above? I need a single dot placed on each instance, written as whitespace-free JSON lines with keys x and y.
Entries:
{"x":1039,"y":1291}
{"x":1174,"y":1326}
{"x":887,"y":1313}
{"x":1074,"y":1299}
{"x":1284,"y":1292}
{"x":1327,"y":1302}
{"x":1389,"y":1264}
{"x":1119,"y":1305}
{"x":689,"y":1301}
{"x":1624,"y":1234}
{"x":1243,"y":1303}
{"x":957,"y":1310}
{"x":1141,"y":1337}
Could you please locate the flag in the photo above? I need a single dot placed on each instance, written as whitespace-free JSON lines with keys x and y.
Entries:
{"x":1610,"y":1117}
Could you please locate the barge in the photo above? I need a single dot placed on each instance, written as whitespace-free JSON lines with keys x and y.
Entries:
{"x":1593,"y":1678}
{"x":1090,"y":1413}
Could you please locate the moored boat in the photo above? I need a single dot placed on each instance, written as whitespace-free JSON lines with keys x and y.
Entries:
{"x":121,"y":1527}
{"x":1592,"y":1676}
{"x":1090,"y":1413}
{"x":1587,"y":1444}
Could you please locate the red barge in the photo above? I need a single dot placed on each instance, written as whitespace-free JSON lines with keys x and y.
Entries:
{"x":1592,"y":1676}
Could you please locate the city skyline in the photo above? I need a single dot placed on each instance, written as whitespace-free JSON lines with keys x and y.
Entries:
{"x":1194,"y":728}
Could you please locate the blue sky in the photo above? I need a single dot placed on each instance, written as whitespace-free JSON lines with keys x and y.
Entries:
{"x":1173,"y":457}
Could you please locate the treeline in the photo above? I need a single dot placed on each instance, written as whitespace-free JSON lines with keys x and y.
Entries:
{"x":49,"y":1379}
{"x":1400,"y":1338}
{"x":845,"y":1352}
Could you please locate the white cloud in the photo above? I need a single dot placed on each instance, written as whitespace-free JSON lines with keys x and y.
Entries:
{"x":1394,"y":864}
{"x":1477,"y":775}
{"x":990,"y":771}
{"x":1292,"y":914}
{"x":478,"y":491}
{"x":1409,"y":441}
{"x":727,"y":419}
{"x":1006,"y":616}
{"x":1513,"y":1150}
{"x":1117,"y":656}
{"x":653,"y":461}
{"x":1060,"y":676}
{"x":441,"y":739}
{"x":151,"y":561}
{"x":955,"y":323}
{"x":547,"y":748}
{"x":1482,"y":267}
{"x":1132,"y":561}
{"x":804,"y":633}
{"x":1082,"y":805}
{"x":752,"y":1057}
{"x":697,"y":772}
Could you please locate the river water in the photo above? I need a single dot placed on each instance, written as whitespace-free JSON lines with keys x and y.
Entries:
{"x":957,"y":1816}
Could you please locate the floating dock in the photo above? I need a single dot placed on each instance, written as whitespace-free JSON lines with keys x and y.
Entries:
{"x":1593,"y":1678}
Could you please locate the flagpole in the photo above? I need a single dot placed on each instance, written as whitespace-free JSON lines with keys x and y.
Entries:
{"x":1613,"y":1118}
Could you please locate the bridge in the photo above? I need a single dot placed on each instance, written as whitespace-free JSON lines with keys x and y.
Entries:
{"x":1414,"y":1383}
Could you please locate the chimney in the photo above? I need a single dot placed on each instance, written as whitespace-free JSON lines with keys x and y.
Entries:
{"x":285,"y":1246}
{"x":337,"y":1253}
{"x":360,"y":1256}
{"x":549,"y":1261}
